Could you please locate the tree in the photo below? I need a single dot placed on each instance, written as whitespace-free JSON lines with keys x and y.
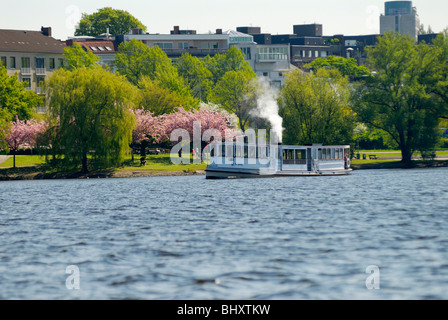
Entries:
{"x":183,"y":119}
{"x":89,"y":109}
{"x":316,"y":108}
{"x":132,"y":60}
{"x":196,"y":75}
{"x":236,"y":92}
{"x":160,"y":100}
{"x":439,"y":75}
{"x":118,"y":21}
{"x":347,"y":67}
{"x":421,"y":29}
{"x":76,"y":57}
{"x":23,"y":134}
{"x":152,"y":70}
{"x":15,"y":100}
{"x":232,"y":60}
{"x":135,"y":60}
{"x":398,"y":98}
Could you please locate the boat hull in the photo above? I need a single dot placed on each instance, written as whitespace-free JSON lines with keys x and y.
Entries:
{"x":234,"y":174}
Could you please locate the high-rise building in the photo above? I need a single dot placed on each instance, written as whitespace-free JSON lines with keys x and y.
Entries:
{"x":401,"y":17}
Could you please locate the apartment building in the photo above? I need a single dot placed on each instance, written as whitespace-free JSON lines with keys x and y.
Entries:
{"x":32,"y":55}
{"x":270,"y":61}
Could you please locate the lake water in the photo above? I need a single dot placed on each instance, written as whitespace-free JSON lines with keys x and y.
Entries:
{"x":189,"y":238}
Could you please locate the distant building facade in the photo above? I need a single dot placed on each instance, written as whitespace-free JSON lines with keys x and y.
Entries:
{"x":104,"y":47}
{"x":270,"y":61}
{"x":401,"y":17}
{"x":32,"y":55}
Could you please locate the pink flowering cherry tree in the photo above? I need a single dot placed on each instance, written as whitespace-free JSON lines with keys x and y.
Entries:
{"x":23,"y":134}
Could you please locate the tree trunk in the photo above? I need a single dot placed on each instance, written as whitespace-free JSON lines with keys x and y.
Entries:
{"x":406,"y":156}
{"x":14,"y":159}
{"x":84,"y":163}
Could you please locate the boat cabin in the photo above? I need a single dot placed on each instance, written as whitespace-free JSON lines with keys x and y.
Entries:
{"x":278,"y":159}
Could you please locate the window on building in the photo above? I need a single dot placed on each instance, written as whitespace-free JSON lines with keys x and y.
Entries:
{"x":60,"y":62}
{"x":26,"y":63}
{"x":272,"y":53}
{"x":108,"y":48}
{"x":12,"y":62}
{"x":164,"y":45}
{"x":52,"y":63}
{"x":247,"y":53}
{"x":183,"y":45}
{"x":40,"y":84}
{"x":3,"y":61}
{"x":209,"y":45}
{"x":27,"y":81}
{"x":94,"y":48}
{"x":40,"y":63}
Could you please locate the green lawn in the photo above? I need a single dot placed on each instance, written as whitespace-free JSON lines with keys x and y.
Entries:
{"x":155,"y":163}
{"x":159,"y":163}
{"x":24,"y":161}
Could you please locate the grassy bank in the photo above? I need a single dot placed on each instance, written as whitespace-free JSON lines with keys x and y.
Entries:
{"x":34,"y":167}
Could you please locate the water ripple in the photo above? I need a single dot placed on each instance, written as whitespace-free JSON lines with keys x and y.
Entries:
{"x":191,"y":238}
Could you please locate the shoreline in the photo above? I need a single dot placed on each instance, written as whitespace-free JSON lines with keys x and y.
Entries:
{"x":39,"y":175}
{"x":111,"y":174}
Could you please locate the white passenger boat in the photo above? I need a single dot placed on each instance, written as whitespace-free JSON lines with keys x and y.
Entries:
{"x":234,"y":160}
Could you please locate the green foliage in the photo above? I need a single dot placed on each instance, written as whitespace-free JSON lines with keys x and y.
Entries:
{"x":76,"y":57}
{"x":374,"y":139}
{"x":90,"y":117}
{"x":232,"y":60}
{"x":316,"y":108}
{"x":196,"y":75}
{"x":236,"y":93}
{"x":398,"y":98}
{"x":160,"y":100}
{"x":347,"y":67}
{"x":137,"y":61}
{"x":118,"y":21}
{"x":439,"y":75}
{"x":15,"y":100}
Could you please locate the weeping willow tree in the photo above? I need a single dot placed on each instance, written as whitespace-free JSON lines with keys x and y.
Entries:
{"x":90,"y":122}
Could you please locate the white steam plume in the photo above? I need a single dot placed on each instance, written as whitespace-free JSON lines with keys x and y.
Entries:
{"x":267,"y":107}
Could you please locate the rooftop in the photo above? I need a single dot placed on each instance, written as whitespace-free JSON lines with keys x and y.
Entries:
{"x":29,"y":41}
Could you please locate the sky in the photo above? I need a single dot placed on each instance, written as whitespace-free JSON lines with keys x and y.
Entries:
{"x":349,"y":17}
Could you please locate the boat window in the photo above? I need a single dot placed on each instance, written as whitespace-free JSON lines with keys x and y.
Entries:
{"x":252,"y":152}
{"x":239,"y":151}
{"x":320,"y":154}
{"x":328,"y":154}
{"x":228,"y":151}
{"x":336,"y":154}
{"x":300,"y":156}
{"x":324,"y":154}
{"x":263,"y":152}
{"x":288,"y":156}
